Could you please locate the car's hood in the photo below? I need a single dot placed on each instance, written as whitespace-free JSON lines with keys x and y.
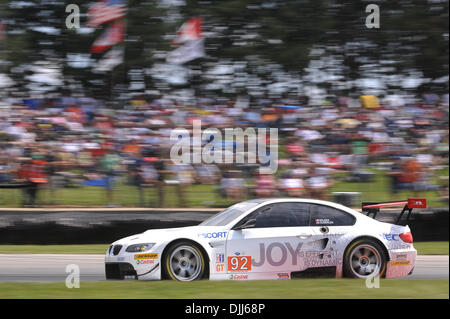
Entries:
{"x":159,"y":235}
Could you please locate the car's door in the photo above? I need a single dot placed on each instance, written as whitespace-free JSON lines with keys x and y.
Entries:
{"x":273,"y":241}
{"x":329,"y":227}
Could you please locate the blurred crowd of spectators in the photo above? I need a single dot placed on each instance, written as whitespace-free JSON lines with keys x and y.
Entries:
{"x":75,"y":141}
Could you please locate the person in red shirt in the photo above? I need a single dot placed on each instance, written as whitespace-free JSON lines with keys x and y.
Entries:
{"x":33,"y":172}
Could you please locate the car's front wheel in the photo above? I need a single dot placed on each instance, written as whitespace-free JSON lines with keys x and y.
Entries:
{"x":184,"y":261}
{"x":364,"y":259}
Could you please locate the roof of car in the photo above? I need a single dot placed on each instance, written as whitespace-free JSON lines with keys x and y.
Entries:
{"x":303,"y":200}
{"x":290,"y":199}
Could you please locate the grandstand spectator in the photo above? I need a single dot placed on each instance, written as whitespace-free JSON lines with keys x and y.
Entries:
{"x":394,"y":176}
{"x":266,"y":186}
{"x":233,"y":186}
{"x":292,"y":184}
{"x":33,"y":172}
{"x":72,"y":133}
{"x":318,"y":184}
{"x":109,"y":166}
{"x":183,"y":176}
{"x":207,"y":174}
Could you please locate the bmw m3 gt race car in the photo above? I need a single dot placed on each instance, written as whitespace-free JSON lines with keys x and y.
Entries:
{"x":271,"y":239}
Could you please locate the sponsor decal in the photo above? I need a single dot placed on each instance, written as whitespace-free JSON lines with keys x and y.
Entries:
{"x":222,"y":234}
{"x":401,"y":257}
{"x":239,"y":263}
{"x":120,"y":258}
{"x":400,"y":263}
{"x":238,"y":277}
{"x":417,"y":203}
{"x":145,"y":261}
{"x":324,"y":221}
{"x":237,"y":253}
{"x":391,"y":237}
{"x":283,"y":251}
{"x":146,"y":256}
{"x":321,"y":262}
{"x":220,"y":267}
{"x":316,"y":254}
{"x":283,"y":276}
{"x":220,"y":258}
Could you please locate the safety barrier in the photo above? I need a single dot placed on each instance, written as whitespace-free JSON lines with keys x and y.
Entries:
{"x":89,"y":226}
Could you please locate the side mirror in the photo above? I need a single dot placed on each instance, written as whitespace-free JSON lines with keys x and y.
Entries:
{"x":248,"y":224}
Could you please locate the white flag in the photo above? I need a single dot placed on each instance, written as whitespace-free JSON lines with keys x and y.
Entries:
{"x":110,"y":60}
{"x":191,"y":50}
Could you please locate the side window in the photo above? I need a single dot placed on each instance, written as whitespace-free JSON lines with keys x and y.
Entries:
{"x":276,"y":215}
{"x":322,"y":215}
{"x":281,"y":215}
{"x":301,"y":212}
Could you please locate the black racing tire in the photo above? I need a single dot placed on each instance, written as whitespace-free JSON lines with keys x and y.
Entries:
{"x":184,"y":261}
{"x":364,"y":258}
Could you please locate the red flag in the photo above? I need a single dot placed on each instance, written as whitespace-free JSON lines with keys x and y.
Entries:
{"x":106,"y":11}
{"x":190,"y":30}
{"x":112,"y":35}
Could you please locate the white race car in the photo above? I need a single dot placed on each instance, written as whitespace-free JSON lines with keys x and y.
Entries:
{"x":271,"y":239}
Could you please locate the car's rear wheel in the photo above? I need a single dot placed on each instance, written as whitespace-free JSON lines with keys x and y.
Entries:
{"x":364,"y":259}
{"x":184,"y":261}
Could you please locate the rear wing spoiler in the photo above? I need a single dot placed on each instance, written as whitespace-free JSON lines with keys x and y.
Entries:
{"x":408,"y":205}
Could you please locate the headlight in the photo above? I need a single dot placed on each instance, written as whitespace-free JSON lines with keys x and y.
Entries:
{"x":139,"y":248}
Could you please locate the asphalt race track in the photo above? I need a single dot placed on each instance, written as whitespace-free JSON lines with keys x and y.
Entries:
{"x":46,"y":267}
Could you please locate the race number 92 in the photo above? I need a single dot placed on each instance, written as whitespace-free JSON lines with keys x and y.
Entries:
{"x":239,"y":263}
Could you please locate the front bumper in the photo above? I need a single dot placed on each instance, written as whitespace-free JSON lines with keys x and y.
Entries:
{"x":120,"y":264}
{"x":120,"y":271}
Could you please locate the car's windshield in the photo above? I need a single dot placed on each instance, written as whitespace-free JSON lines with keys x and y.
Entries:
{"x":228,"y":215}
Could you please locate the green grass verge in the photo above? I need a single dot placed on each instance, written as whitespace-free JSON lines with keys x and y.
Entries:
{"x":423,"y":248}
{"x":284,"y":289}
{"x":124,"y":195}
{"x":432,"y":247}
{"x":206,"y":195}
{"x":379,"y":190}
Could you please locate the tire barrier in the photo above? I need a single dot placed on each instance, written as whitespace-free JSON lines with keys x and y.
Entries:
{"x":101,"y":226}
{"x":74,"y":226}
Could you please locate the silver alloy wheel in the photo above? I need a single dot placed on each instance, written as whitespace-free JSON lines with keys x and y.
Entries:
{"x":365,"y":261}
{"x":185,"y":263}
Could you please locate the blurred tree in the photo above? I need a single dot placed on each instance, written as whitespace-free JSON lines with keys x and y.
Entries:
{"x":263,"y":42}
